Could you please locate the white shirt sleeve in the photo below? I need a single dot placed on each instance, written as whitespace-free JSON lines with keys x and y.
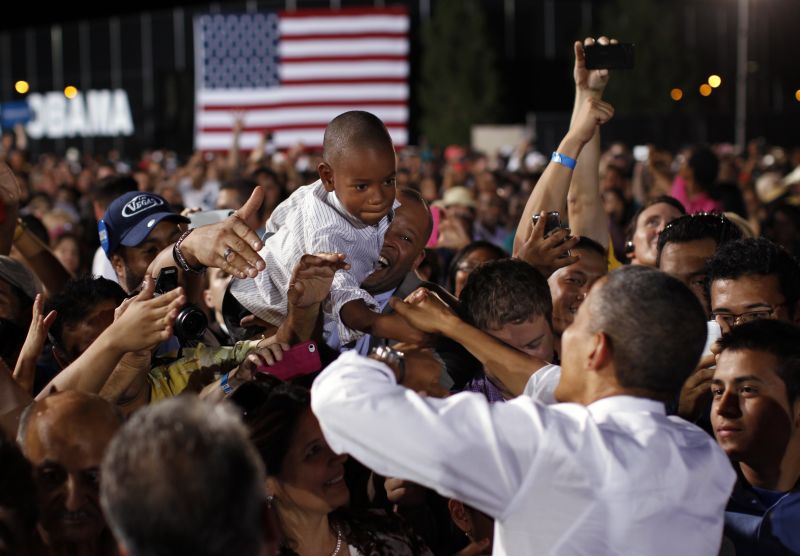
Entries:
{"x":101,"y":266}
{"x":542,"y":384}
{"x":461,"y":446}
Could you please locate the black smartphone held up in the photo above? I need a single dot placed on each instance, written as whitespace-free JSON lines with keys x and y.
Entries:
{"x":609,"y":56}
{"x":552,"y":222}
{"x":167,"y":280}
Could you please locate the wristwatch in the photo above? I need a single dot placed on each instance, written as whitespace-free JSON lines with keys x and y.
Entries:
{"x":393,"y":358}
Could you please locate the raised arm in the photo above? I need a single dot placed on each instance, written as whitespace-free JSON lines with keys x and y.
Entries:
{"x":145,"y":322}
{"x":550,"y":193}
{"x":460,"y":446}
{"x":310,"y":285}
{"x":584,"y":205}
{"x":508,"y":366}
{"x":25,"y":370}
{"x":358,"y":316}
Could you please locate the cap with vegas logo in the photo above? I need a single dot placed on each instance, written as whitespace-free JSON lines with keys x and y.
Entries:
{"x":131,"y":217}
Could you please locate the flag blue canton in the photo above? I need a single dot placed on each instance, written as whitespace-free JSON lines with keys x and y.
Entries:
{"x":240,"y":51}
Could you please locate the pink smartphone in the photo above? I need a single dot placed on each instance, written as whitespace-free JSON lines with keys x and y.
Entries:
{"x":298,"y":360}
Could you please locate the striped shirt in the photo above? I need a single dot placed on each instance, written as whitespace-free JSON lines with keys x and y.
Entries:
{"x":313,"y":220}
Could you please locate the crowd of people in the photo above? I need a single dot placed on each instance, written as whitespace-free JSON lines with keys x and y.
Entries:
{"x":366,"y":350}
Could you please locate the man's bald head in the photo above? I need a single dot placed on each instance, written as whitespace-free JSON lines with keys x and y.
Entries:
{"x":354,"y":130}
{"x":69,"y":413}
{"x":65,"y":436}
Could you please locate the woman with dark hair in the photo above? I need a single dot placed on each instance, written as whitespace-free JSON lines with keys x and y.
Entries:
{"x":467,"y":259}
{"x":305,"y":480}
{"x":641,"y":244}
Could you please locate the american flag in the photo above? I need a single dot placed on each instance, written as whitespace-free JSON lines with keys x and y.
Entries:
{"x":292,"y":72}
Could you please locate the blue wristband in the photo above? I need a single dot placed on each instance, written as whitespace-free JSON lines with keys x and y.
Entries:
{"x":223,"y":383}
{"x":564,"y":160}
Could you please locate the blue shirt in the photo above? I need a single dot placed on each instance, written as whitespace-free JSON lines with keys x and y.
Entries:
{"x":760,"y":521}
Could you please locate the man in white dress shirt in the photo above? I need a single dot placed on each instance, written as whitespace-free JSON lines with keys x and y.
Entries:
{"x":607,"y":472}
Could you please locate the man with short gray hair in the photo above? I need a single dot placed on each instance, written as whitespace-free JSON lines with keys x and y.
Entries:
{"x":606,"y":472}
{"x":181,"y":477}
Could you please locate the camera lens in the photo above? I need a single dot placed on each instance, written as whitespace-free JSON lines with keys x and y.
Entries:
{"x":191,"y":323}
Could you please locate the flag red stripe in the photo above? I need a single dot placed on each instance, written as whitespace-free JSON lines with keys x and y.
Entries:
{"x":343,"y":36}
{"x":342,"y":12}
{"x":286,"y":127}
{"x":302,"y":104}
{"x":343,"y":58}
{"x":347,"y":80}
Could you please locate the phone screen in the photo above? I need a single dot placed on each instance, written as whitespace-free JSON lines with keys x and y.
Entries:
{"x":609,"y":56}
{"x":552,"y":222}
{"x":714,"y":333}
{"x":167,"y":280}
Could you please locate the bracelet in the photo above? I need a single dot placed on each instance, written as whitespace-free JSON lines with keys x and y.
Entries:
{"x":19,"y":230}
{"x":180,"y":260}
{"x":564,"y":160}
{"x":392,"y":358}
{"x":223,"y":383}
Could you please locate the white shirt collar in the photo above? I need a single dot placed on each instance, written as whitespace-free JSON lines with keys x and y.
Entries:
{"x":624,"y":404}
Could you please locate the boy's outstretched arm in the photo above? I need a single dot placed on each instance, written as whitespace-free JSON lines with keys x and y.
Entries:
{"x":358,"y":316}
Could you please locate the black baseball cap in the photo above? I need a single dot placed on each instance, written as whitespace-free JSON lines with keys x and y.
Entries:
{"x":131,"y":217}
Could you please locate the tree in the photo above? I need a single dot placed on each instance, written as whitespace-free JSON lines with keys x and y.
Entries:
{"x":459,"y":81}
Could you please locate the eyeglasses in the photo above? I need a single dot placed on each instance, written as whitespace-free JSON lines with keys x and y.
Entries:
{"x":731,"y":319}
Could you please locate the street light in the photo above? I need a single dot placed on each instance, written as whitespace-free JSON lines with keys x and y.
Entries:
{"x":22,"y":87}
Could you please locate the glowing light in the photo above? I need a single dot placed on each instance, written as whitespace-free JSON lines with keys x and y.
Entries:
{"x":676,"y":94}
{"x":714,"y":80}
{"x":797,"y":95}
{"x":22,"y":87}
{"x":705,"y":89}
{"x":70,"y":91}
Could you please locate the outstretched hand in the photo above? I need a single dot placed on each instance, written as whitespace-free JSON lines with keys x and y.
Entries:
{"x":424,"y":310}
{"x":146,"y":321}
{"x":591,"y":81}
{"x":34,"y":344}
{"x":268,"y":353}
{"x":312,"y":278}
{"x":210,"y":245}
